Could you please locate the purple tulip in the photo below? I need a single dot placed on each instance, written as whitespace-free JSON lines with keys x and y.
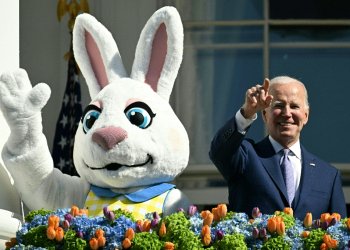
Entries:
{"x":66,"y":224}
{"x":219,"y":234}
{"x":154,"y":223}
{"x":256,"y":212}
{"x":324,"y":225}
{"x":138,"y":228}
{"x":156,"y":216}
{"x":180,"y":209}
{"x":263,"y":233}
{"x":80,"y":234}
{"x":68,"y":217}
{"x":333,"y":222}
{"x":105,"y":211}
{"x":255,"y":233}
{"x":317,"y":223}
{"x":192,"y":210}
{"x":110,"y":216}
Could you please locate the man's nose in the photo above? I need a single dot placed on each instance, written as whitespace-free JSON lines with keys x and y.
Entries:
{"x":287,"y":111}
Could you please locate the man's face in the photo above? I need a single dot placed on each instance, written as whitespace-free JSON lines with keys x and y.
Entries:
{"x":288,"y":113}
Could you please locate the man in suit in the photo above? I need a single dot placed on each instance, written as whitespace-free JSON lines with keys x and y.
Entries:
{"x":258,"y":175}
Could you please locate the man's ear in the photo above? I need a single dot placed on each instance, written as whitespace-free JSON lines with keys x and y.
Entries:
{"x":307,"y":112}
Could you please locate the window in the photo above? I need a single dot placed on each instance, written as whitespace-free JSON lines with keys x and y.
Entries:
{"x":232,"y":45}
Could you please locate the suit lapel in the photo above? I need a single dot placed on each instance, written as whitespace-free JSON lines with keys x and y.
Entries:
{"x":307,"y":172}
{"x":270,"y":161}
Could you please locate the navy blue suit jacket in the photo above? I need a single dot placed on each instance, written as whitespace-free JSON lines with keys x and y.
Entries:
{"x":254,"y":177}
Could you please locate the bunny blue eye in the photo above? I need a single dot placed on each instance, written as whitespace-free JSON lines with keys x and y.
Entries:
{"x":91,"y":114}
{"x":139,"y":114}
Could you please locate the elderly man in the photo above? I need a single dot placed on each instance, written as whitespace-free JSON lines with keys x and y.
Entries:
{"x":278,"y":171}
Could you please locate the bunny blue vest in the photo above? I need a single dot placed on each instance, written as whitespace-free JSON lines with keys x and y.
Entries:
{"x":139,"y":203}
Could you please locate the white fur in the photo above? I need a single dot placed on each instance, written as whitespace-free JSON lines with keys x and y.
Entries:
{"x":27,"y":156}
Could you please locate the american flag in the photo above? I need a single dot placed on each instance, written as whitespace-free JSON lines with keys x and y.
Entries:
{"x":67,"y":124}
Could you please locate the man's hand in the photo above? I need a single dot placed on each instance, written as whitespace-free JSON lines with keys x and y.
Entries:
{"x":257,"y":98}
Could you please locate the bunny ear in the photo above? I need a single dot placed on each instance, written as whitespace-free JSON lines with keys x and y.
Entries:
{"x":96,"y":53}
{"x":159,"y":51}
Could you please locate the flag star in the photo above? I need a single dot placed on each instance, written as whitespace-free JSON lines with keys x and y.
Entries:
{"x":61,"y":164}
{"x":65,"y":99}
{"x":64,"y":121}
{"x":63,"y":142}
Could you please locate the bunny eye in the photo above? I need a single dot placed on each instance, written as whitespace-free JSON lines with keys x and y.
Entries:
{"x":139,"y":114}
{"x":91,"y":114}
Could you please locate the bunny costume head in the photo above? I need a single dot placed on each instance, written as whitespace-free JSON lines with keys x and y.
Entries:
{"x":129,"y":138}
{"x":129,"y":135}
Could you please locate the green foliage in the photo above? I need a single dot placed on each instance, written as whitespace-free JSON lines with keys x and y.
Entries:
{"x":37,"y":237}
{"x":72,"y":242}
{"x":119,"y":212}
{"x":276,"y":243}
{"x":232,"y":241}
{"x":289,"y":221}
{"x":30,"y":216}
{"x":146,"y":241}
{"x":179,"y":233}
{"x":314,"y":240}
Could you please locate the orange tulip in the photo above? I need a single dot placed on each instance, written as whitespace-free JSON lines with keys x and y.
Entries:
{"x":323,"y":246}
{"x":51,"y":232}
{"x":83,"y":212}
{"x":129,"y":233}
{"x":205,"y":213}
{"x":308,"y":220}
{"x":206,"y":239}
{"x":11,"y":243}
{"x":348,"y":223}
{"x":288,"y":210}
{"x":222,"y":210}
{"x":336,"y":216}
{"x":162,"y":230}
{"x":281,"y":228}
{"x":324,"y":217}
{"x":93,"y":244}
{"x":126,"y":243}
{"x":59,"y":234}
{"x":53,"y":221}
{"x":169,"y":246}
{"x":101,"y":240}
{"x":208,"y":220}
{"x":146,"y":226}
{"x":272,"y":225}
{"x":305,"y":234}
{"x":205,"y":230}
{"x":331,"y":243}
{"x":74,"y":210}
{"x":99,"y":232}
{"x":215,"y":213}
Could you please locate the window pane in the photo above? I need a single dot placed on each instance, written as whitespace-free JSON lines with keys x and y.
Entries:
{"x":325,"y":73}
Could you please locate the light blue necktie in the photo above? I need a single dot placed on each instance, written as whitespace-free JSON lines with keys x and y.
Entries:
{"x":288,"y":175}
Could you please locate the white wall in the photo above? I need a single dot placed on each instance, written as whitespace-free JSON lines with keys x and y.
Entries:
{"x":9,"y":59}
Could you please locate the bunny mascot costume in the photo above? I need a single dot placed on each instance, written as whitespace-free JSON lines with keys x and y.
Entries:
{"x":129,"y":144}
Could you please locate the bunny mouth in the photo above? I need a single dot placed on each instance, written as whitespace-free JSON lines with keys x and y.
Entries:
{"x":117,"y":166}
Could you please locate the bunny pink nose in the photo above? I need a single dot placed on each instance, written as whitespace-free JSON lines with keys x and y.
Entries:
{"x":108,"y":137}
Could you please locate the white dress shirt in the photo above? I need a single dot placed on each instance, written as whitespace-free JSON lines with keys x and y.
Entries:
{"x":294,"y":154}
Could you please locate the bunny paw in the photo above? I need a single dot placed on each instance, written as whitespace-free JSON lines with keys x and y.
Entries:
{"x":18,"y":99}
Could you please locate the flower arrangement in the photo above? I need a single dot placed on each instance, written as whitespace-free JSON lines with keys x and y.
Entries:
{"x":217,"y":229}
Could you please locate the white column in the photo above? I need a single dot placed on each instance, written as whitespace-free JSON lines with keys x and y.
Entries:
{"x":9,"y":30}
{"x":10,"y":205}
